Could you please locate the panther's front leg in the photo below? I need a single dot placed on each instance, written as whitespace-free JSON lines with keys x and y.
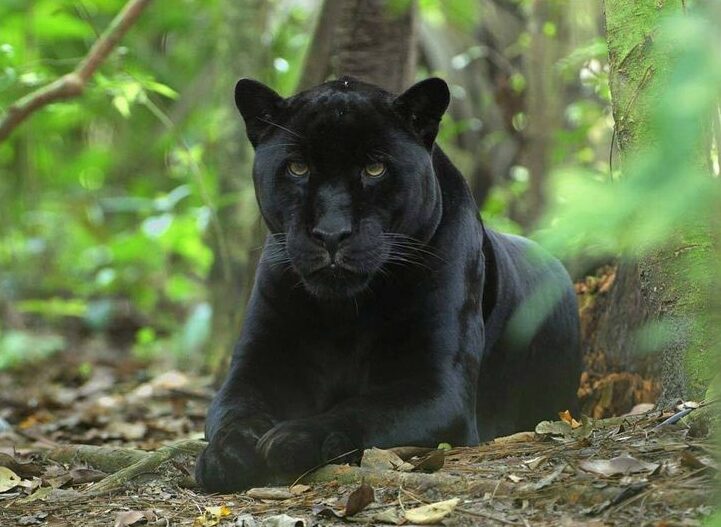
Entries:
{"x":410,"y":412}
{"x":236,"y":420}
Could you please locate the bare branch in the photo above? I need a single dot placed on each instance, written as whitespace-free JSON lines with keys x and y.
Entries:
{"x":73,"y":84}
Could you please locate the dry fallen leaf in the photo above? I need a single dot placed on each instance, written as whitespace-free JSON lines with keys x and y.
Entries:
{"x":212,"y":516}
{"x":388,"y":516}
{"x":41,"y":494}
{"x":430,"y":462}
{"x":127,"y":431}
{"x":127,"y":518}
{"x":25,"y":469}
{"x":639,"y":409}
{"x":30,"y":484}
{"x":37,"y":518}
{"x":554,"y":428}
{"x":283,"y":520}
{"x":8,"y":479}
{"x":518,"y":437}
{"x":86,"y":475}
{"x":697,"y":462}
{"x":324,"y":511}
{"x":433,"y":513}
{"x":359,"y":499}
{"x":298,"y":489}
{"x":623,"y":464}
{"x":245,"y":520}
{"x":545,"y":481}
{"x":568,"y":418}
{"x":536,"y":462}
{"x":566,"y":429}
{"x":378,"y":459}
{"x":170,"y":380}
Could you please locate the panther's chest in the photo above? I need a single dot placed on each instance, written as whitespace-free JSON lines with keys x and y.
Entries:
{"x":336,"y":368}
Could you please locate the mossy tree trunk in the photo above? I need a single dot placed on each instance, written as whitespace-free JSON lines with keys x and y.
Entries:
{"x":665,"y":286}
{"x":317,"y":63}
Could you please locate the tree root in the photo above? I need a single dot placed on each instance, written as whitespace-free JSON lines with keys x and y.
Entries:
{"x":125,"y":464}
{"x":349,"y":475}
{"x":107,"y":459}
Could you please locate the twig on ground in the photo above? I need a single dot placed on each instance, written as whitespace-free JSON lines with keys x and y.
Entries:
{"x":147,"y":464}
{"x":347,"y":475}
{"x":304,"y":474}
{"x":107,"y":459}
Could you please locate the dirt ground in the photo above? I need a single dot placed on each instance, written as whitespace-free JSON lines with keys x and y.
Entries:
{"x":634,"y":470}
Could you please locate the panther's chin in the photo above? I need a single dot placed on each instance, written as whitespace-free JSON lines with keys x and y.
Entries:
{"x":335,"y":281}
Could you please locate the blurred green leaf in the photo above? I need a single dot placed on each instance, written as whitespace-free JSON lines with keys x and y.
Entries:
{"x":54,"y":307}
{"x":19,"y":347}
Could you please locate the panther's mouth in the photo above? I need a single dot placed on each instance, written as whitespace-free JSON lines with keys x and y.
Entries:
{"x":336,"y":280}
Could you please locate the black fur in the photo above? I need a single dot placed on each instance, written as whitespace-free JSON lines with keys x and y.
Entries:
{"x":383,"y":313}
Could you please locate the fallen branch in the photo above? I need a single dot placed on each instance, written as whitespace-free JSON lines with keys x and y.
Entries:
{"x":73,"y":84}
{"x":127,"y":464}
{"x":107,"y":459}
{"x":149,"y":463}
{"x":349,"y":475}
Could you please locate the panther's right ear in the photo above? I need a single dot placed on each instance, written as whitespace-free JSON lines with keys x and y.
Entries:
{"x":257,"y":104}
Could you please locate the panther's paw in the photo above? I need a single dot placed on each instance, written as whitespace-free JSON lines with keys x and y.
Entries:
{"x":338,"y":448}
{"x":291,"y":447}
{"x":229,"y":463}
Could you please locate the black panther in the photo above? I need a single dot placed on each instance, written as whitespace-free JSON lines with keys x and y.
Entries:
{"x":383,"y":312}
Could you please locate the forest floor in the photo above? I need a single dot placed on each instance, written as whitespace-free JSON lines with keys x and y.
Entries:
{"x":618,"y":471}
{"x":649,"y":468}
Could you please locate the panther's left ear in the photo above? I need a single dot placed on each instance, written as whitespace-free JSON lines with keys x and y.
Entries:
{"x":422,"y":106}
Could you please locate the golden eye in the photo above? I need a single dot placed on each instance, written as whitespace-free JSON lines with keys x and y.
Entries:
{"x":298,"y":169}
{"x":375,"y":169}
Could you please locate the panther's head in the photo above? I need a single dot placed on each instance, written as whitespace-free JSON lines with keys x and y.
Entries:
{"x":344,"y":178}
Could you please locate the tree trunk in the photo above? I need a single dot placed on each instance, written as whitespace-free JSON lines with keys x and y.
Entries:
{"x":229,"y":283}
{"x":487,"y":152}
{"x":377,"y":43}
{"x":541,"y":112}
{"x":658,"y":287}
{"x":316,"y":65}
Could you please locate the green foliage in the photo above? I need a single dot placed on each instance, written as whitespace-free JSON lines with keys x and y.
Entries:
{"x":108,"y":201}
{"x":461,"y":14}
{"x":21,"y":347}
{"x":665,"y":189}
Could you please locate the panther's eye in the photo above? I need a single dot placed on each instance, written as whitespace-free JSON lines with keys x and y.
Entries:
{"x":375,"y":169}
{"x":298,"y":169}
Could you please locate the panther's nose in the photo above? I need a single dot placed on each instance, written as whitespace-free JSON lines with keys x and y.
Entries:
{"x":330,"y":238}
